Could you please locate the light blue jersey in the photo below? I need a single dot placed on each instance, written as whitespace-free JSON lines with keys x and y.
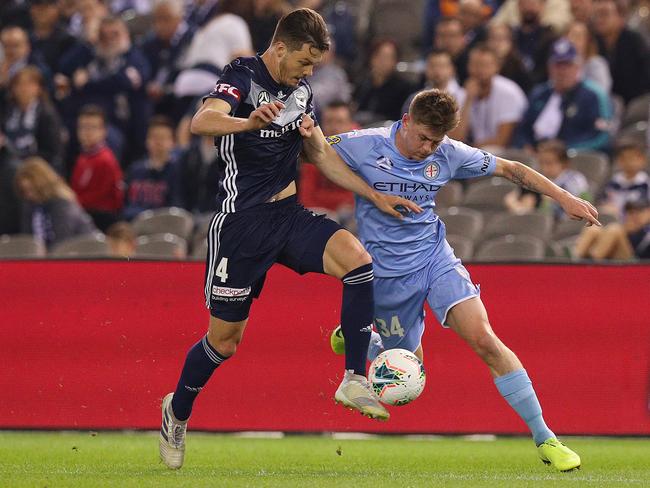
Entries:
{"x":399,"y":247}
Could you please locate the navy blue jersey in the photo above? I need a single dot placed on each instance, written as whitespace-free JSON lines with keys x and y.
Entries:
{"x":256,"y":165}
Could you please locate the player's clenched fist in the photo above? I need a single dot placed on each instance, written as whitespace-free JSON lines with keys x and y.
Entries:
{"x":306,"y":126}
{"x":264,"y":115}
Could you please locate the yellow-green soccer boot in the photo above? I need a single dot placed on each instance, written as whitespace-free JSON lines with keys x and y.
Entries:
{"x":553,"y":452}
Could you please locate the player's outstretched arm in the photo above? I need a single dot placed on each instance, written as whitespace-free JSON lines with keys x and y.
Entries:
{"x":214,"y":119}
{"x":576,"y":208}
{"x":316,"y":150}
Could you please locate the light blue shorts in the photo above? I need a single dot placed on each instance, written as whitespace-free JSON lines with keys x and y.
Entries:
{"x":399,"y":302}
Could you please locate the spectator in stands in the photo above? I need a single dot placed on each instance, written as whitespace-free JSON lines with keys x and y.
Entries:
{"x":164,"y":48}
{"x":14,"y":12}
{"x":262,"y":18}
{"x":566,"y":108}
{"x":471,"y":14}
{"x":449,"y":37}
{"x":49,"y":37}
{"x":84,"y":23}
{"x":554,"y":13}
{"x":18,"y":54}
{"x":381,"y":94}
{"x":439,"y":73}
{"x":625,"y":51}
{"x":199,"y":175}
{"x":154,"y":181}
{"x":329,"y":82}
{"x":619,"y":241}
{"x":594,"y":66}
{"x":199,"y":12}
{"x":314,"y":190}
{"x":51,"y":212}
{"x":533,"y":38}
{"x":512,"y":66}
{"x":31,"y":123}
{"x":554,"y":164}
{"x":97,"y":177}
{"x":112,"y":74}
{"x":630,"y":182}
{"x":225,"y":37}
{"x":581,"y":11}
{"x":9,"y":201}
{"x":493,"y":105}
{"x":121,"y":240}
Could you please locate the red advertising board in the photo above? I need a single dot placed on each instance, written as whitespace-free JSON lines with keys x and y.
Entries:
{"x":91,"y":345}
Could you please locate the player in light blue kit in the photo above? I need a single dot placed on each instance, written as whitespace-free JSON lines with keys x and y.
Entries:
{"x":413,"y":262}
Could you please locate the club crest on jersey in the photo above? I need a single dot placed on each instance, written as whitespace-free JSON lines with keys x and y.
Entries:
{"x":431,"y":171}
{"x":384,"y":163}
{"x":263,"y":98}
{"x":333,"y":140}
{"x":301,"y":99}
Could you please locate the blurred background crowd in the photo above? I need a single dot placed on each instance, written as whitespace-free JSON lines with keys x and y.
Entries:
{"x":96,"y":96}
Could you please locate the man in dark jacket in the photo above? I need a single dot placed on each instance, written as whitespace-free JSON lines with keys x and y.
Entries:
{"x":625,"y":50}
{"x":566,"y":108}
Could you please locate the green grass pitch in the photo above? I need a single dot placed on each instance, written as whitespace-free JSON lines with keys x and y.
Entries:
{"x":44,"y":459}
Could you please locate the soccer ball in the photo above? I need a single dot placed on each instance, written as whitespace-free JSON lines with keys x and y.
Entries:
{"x":397,"y":376}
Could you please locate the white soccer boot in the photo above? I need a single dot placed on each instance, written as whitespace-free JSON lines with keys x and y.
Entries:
{"x":172,"y":436}
{"x":355,"y":392}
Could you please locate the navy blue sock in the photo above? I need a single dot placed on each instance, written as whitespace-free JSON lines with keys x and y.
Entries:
{"x":200,"y":363}
{"x":357,"y":311}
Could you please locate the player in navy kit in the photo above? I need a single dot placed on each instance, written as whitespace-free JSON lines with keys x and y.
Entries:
{"x":259,"y":112}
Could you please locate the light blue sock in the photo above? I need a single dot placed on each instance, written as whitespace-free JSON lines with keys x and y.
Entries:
{"x":517,"y":389}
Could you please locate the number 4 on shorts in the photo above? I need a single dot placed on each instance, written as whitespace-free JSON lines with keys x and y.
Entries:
{"x":222,"y":270}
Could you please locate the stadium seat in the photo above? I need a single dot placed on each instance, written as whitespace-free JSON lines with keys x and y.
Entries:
{"x":200,"y":249}
{"x":567,"y":228}
{"x":463,"y":247}
{"x":86,"y":246}
{"x":636,"y":133}
{"x":21,"y":246}
{"x":171,"y":220}
{"x":488,"y":194}
{"x":462,"y":221}
{"x":161,"y":246}
{"x":533,"y":224}
{"x":638,"y":110}
{"x":449,"y":195}
{"x":594,"y":165}
{"x":512,"y":248}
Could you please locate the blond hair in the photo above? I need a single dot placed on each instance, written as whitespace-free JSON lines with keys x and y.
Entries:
{"x":46,"y":182}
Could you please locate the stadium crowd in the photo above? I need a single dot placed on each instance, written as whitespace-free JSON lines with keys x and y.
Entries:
{"x":96,"y":98}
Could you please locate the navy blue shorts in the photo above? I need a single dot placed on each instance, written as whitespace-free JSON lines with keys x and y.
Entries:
{"x":243,"y":245}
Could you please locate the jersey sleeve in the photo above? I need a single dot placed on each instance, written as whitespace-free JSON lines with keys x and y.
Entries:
{"x":348,"y":148}
{"x":470,"y":162}
{"x":233,"y":85}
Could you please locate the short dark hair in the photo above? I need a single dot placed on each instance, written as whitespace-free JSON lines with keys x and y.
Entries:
{"x":439,"y":52}
{"x":435,"y":109}
{"x":629,"y":144}
{"x":302,"y":26}
{"x":161,"y":121}
{"x":338,"y":104}
{"x":483,"y":48}
{"x":92,"y":111}
{"x":556,"y":147}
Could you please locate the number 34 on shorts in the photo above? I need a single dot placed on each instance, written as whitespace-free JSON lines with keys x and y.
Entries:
{"x":388,"y":329}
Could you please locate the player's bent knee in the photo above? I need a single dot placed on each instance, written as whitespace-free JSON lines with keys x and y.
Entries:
{"x":486,"y":345}
{"x":225,"y":346}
